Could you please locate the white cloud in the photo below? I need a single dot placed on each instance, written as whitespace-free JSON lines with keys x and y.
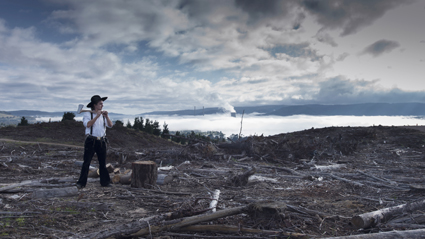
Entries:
{"x":150,"y":55}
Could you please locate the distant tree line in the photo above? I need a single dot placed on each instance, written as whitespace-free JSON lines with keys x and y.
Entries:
{"x":153,"y":127}
{"x":149,"y":126}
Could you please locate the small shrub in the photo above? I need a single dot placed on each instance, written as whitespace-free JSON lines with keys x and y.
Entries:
{"x":68,"y":116}
{"x":24,"y":122}
{"x":119,"y":123}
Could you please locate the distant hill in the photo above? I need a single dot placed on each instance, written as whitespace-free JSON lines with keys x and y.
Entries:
{"x":35,"y":113}
{"x":365,"y":109}
{"x":206,"y":111}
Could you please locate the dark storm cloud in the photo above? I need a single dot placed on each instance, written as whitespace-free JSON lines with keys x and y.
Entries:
{"x":198,"y":9}
{"x":381,"y":47}
{"x":269,"y":9}
{"x":345,"y":91}
{"x":261,"y":9}
{"x":348,"y":14}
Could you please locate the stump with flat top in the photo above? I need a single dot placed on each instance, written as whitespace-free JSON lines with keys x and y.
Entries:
{"x":144,"y":174}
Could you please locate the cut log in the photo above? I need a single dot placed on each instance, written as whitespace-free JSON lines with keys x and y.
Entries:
{"x":164,"y":179}
{"x":117,"y":171}
{"x":386,"y":235}
{"x":122,"y":178}
{"x":110,"y":168}
{"x":127,"y":171}
{"x":94,"y":173}
{"x":144,"y":174}
{"x":116,"y":179}
{"x":56,"y":192}
{"x":371,"y":219}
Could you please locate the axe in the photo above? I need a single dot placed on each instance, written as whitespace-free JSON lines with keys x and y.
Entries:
{"x":80,"y":109}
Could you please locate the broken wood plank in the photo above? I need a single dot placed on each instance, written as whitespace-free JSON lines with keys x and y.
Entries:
{"x":94,"y":173}
{"x":110,"y":168}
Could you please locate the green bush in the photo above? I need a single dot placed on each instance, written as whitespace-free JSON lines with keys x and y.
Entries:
{"x":68,"y":116}
{"x":119,"y":123}
{"x":24,"y":122}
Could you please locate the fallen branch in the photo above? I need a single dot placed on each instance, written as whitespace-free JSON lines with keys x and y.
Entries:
{"x":164,"y":192}
{"x":56,"y":192}
{"x":291,"y":171}
{"x":345,"y":180}
{"x":371,"y":219}
{"x":157,"y":224}
{"x":235,"y":229}
{"x":406,"y":225}
{"x":376,"y":178}
{"x":17,"y":185}
{"x":386,"y":235}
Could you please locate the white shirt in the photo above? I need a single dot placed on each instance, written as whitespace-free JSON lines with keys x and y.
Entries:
{"x":99,"y":129}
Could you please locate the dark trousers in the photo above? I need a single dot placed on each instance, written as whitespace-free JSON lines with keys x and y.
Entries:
{"x":91,"y":146}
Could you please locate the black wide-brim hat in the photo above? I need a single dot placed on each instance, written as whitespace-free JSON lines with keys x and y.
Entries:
{"x":95,"y":99}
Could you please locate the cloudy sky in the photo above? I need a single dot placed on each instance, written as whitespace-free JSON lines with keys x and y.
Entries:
{"x":177,"y":54}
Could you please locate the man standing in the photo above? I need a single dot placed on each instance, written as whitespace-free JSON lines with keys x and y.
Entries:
{"x":95,"y":122}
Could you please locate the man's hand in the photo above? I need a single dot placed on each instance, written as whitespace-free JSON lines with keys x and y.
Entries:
{"x":105,"y":113}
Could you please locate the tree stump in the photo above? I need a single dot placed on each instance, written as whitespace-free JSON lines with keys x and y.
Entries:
{"x":144,"y":174}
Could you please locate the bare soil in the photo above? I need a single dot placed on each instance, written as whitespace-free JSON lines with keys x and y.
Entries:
{"x":383,"y":167}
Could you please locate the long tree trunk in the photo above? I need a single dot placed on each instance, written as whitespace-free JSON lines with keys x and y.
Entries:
{"x":371,"y":219}
{"x":419,"y":233}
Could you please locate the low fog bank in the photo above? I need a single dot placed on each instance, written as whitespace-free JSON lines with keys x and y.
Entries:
{"x":253,"y":124}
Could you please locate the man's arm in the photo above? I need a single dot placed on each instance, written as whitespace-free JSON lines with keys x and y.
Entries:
{"x":108,"y":121}
{"x":91,"y":122}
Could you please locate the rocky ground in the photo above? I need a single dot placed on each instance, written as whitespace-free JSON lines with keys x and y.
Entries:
{"x":306,"y":184}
